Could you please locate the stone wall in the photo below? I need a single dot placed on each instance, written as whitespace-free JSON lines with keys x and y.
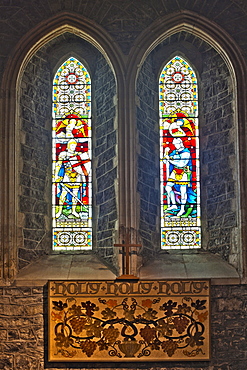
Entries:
{"x":105,"y":160}
{"x":219,"y":157}
{"x":218,"y":137}
{"x":35,"y":146}
{"x":23,"y":315}
{"x":148,"y":157}
{"x":35,"y":236}
{"x":124,"y":23}
{"x":23,"y":328}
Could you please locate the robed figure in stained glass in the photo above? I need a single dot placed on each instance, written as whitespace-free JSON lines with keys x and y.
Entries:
{"x":179,"y":156}
{"x":178,"y":187}
{"x":72,"y":184}
{"x":71,"y":173}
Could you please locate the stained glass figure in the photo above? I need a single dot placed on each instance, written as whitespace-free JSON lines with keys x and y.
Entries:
{"x":179,"y":156}
{"x":72,"y":184}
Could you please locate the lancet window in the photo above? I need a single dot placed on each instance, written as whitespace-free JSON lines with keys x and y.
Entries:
{"x":179,"y":156}
{"x":71,"y":155}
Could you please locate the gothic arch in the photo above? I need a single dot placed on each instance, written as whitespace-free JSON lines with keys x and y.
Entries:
{"x":229,"y":52}
{"x":10,"y":90}
{"x":126,"y":69}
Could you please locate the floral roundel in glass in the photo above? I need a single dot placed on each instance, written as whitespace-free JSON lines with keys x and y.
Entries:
{"x":179,"y":156}
{"x":71,"y":178}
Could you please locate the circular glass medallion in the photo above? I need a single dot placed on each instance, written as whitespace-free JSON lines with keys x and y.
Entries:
{"x":188,"y":237}
{"x":80,"y":238}
{"x":177,"y":77}
{"x":172,"y":237}
{"x":71,"y":78}
{"x":64,"y":238}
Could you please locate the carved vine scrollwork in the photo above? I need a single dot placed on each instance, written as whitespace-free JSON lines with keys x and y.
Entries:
{"x":127,"y":328}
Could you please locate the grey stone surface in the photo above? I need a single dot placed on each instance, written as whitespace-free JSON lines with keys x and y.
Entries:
{"x":22,"y":313}
{"x":23,"y":318}
{"x":148,"y":167}
{"x":35,"y":159}
{"x":187,"y":265}
{"x":33,"y":179}
{"x":63,"y":266}
{"x":124,"y":23}
{"x":104,"y":154}
{"x":217,"y":146}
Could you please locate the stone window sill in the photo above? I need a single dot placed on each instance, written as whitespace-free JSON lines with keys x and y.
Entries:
{"x":190,"y":264}
{"x":64,"y":267}
{"x":172,"y":265}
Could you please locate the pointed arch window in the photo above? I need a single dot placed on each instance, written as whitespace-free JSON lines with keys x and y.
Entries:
{"x":71,"y":154}
{"x":179,"y":156}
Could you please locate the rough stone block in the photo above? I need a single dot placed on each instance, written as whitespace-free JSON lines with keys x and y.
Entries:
{"x":27,"y":254}
{"x":6,"y":361}
{"x":214,"y":192}
{"x":109,"y":165}
{"x":106,"y":156}
{"x":3,"y":334}
{"x":40,"y":207}
{"x":25,"y":180}
{"x":34,"y":221}
{"x":215,"y":223}
{"x":100,"y":171}
{"x":33,"y":234}
{"x":109,"y":193}
{"x":30,"y":244}
{"x":26,"y":334}
{"x":113,"y":215}
{"x":209,"y":156}
{"x":230,"y":220}
{"x":103,"y":223}
{"x":107,"y":180}
{"x":108,"y":206}
{"x":99,"y":198}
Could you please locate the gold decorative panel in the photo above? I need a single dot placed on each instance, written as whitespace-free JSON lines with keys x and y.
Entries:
{"x":158,"y":320}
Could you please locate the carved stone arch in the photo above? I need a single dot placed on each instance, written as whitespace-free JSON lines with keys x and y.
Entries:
{"x":20,"y":56}
{"x":225,"y":46}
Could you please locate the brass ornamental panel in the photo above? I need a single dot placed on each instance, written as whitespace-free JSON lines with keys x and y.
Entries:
{"x":158,"y":320}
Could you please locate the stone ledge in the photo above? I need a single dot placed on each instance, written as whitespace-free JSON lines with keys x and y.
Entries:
{"x":63,"y":267}
{"x":190,"y":264}
{"x":172,"y":265}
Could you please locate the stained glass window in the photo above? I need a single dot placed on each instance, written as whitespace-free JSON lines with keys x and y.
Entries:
{"x":71,"y":180}
{"x":179,"y":156}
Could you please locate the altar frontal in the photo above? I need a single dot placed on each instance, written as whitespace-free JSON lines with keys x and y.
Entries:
{"x":139,"y":321}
